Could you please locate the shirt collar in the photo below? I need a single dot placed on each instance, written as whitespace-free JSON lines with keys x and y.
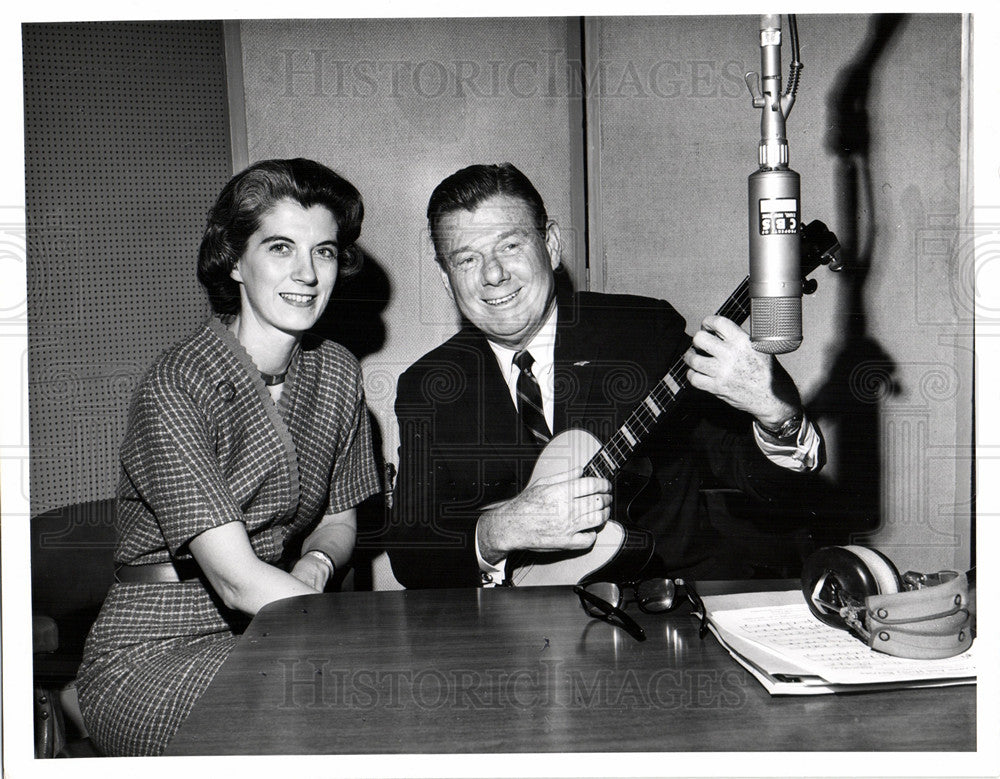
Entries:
{"x":542,"y":347}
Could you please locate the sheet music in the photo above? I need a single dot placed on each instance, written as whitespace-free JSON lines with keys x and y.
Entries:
{"x":835,"y":655}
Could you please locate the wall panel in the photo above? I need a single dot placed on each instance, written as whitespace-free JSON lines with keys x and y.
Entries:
{"x":396,"y":105}
{"x":876,"y":136}
{"x":126,"y":146}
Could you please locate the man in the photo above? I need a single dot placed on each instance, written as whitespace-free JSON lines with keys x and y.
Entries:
{"x":473,"y":415}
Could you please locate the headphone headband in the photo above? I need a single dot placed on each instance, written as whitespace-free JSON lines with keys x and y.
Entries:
{"x":914,"y":615}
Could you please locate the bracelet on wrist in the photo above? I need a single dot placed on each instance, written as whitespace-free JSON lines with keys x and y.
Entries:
{"x":327,"y":560}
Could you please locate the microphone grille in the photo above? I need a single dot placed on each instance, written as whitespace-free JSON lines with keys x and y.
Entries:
{"x":776,"y":324}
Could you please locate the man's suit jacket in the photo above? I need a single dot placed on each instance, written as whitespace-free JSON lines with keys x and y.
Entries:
{"x":462,"y":445}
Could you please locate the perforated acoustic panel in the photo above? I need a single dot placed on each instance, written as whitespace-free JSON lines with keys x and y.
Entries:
{"x":126,"y":147}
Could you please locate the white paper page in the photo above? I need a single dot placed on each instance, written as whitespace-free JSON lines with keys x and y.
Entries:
{"x":837,"y":656}
{"x":765,"y":657}
{"x":774,"y":686}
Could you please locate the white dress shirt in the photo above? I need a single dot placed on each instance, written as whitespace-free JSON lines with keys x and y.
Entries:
{"x":542,"y":348}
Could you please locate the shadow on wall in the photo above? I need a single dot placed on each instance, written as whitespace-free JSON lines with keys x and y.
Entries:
{"x":862,"y":373}
{"x":354,"y":318}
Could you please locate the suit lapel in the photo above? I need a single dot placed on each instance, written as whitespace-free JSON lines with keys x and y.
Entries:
{"x":491,"y":398}
{"x":577,"y":359}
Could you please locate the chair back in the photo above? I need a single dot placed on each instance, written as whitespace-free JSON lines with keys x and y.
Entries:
{"x":72,"y":567}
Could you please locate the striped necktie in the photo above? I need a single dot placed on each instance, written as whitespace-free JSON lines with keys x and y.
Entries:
{"x":529,"y":399}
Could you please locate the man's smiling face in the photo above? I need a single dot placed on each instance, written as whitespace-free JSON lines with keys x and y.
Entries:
{"x":499,"y":268}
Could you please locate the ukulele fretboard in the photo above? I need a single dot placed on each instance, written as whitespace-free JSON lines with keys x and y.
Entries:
{"x":615,"y":452}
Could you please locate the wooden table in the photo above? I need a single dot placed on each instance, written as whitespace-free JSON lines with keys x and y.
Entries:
{"x":524,"y":670}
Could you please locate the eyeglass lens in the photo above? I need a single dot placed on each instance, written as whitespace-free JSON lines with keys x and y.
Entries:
{"x":608,"y":592}
{"x":656,"y":595}
{"x":653,"y":596}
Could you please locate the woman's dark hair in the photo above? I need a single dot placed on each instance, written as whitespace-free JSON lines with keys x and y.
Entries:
{"x":249,"y":195}
{"x":468,"y":188}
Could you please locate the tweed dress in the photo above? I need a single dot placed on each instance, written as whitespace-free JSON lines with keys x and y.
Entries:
{"x":205,"y":446}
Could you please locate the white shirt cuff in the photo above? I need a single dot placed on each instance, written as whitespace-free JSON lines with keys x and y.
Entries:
{"x":802,"y":455}
{"x":492,"y":574}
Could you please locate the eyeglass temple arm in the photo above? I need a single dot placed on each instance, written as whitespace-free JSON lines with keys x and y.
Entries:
{"x":697,"y":604}
{"x":633,"y":627}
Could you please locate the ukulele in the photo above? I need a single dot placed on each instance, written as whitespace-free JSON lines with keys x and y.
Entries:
{"x":618,"y":548}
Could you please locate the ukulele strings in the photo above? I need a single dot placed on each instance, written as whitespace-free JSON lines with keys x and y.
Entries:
{"x":612,"y":456}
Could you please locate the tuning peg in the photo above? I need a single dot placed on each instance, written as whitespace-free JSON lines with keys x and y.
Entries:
{"x":809,"y":286}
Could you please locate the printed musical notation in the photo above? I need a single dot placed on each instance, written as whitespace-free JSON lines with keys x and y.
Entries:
{"x":777,"y":636}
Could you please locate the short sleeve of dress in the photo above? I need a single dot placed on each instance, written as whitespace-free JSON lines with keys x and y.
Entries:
{"x":167,"y":456}
{"x":355,"y":475}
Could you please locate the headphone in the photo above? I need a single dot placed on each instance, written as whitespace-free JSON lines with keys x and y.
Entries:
{"x":915,"y":615}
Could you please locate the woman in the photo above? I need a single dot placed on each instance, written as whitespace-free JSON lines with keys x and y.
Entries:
{"x":241,"y":441}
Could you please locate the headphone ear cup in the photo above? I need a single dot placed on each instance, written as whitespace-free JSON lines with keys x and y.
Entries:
{"x":881,"y":568}
{"x":836,"y":576}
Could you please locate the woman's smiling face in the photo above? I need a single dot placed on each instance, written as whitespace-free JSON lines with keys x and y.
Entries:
{"x":289,"y":268}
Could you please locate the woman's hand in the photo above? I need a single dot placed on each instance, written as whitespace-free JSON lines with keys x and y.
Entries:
{"x":241,"y":579}
{"x":313,"y":571}
{"x":246,"y":583}
{"x":334,"y":535}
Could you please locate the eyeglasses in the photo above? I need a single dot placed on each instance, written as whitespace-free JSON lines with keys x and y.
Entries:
{"x":605,"y":600}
